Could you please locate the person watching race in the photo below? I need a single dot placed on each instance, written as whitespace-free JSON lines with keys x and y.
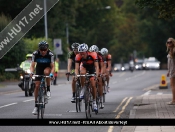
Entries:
{"x":86,"y":61}
{"x":71,"y":65}
{"x":107,"y":59}
{"x":44,"y":60}
{"x":94,"y":48}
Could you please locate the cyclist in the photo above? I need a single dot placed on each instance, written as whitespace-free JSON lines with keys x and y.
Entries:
{"x":25,"y":65}
{"x":107,"y":58}
{"x":44,"y":60}
{"x":71,"y":64}
{"x":94,"y":48}
{"x":88,"y":62}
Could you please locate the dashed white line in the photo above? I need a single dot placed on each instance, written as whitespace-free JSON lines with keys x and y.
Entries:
{"x":8,"y":105}
{"x":28,"y":100}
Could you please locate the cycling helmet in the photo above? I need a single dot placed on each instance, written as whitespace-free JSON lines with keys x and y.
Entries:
{"x":83,"y":47}
{"x":104,"y":51}
{"x":43,"y":45}
{"x":28,"y":56}
{"x":75,"y":45}
{"x":93,"y":48}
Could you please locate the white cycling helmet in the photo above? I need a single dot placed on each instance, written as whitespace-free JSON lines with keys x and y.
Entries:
{"x":104,"y":51}
{"x":93,"y":48}
{"x":83,"y":47}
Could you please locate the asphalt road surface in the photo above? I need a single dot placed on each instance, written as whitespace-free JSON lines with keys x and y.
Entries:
{"x":124,"y":88}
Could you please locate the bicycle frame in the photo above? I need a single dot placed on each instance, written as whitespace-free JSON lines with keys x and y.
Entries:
{"x":41,"y":96}
{"x":87,"y":95}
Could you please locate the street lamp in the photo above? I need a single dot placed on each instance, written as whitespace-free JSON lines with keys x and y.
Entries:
{"x":45,"y":20}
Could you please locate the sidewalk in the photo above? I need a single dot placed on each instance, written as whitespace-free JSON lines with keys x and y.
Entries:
{"x":152,"y":106}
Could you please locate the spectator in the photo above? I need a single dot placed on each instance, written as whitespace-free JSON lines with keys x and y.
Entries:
{"x":170,"y":44}
{"x":56,"y":71}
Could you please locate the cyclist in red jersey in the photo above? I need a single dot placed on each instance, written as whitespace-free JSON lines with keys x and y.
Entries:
{"x":107,"y":58}
{"x":94,"y":48}
{"x":88,"y":62}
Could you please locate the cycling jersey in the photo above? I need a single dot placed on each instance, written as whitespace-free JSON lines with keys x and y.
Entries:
{"x":87,"y":63}
{"x":71,"y":55}
{"x":106,"y":59}
{"x":42,"y":61}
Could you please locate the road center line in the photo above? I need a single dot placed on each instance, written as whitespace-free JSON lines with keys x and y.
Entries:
{"x":8,"y":105}
{"x":120,"y":104}
{"x":123,"y":108}
{"x":110,"y":129}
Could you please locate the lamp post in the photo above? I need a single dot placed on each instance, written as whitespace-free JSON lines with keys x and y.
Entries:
{"x":67,"y":33}
{"x":45,"y":20}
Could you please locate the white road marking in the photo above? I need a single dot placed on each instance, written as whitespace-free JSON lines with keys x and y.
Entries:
{"x":147,"y":93}
{"x":28,"y":100}
{"x":8,"y":105}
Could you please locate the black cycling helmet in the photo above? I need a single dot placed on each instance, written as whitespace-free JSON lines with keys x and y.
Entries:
{"x":43,"y":45}
{"x":75,"y":45}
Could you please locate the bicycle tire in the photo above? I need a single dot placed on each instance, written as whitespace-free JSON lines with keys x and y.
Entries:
{"x":38,"y":107}
{"x":87,"y":104}
{"x":76,"y":98}
{"x":42,"y":107}
{"x":26,"y":88}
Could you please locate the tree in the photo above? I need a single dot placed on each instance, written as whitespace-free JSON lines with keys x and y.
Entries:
{"x":164,"y":7}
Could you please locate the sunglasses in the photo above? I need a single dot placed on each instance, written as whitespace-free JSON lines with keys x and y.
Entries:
{"x":43,"y":49}
{"x":169,"y":42}
{"x":75,"y":49}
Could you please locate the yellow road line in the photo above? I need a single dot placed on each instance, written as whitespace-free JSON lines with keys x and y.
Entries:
{"x":123,"y":108}
{"x":110,"y":129}
{"x":120,"y":104}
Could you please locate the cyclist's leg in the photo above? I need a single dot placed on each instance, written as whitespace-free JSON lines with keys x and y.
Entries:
{"x":39,"y":71}
{"x":100,"y":89}
{"x":107,"y":79}
{"x":82,"y":80}
{"x":47,"y":71}
{"x":73,"y":90}
{"x":94,"y":91}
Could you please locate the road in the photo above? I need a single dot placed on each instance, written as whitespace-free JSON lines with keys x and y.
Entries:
{"x":124,"y":88}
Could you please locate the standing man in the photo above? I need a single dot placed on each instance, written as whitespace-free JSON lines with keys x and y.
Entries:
{"x":56,"y":71}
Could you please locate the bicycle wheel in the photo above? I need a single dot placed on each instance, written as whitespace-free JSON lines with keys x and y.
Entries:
{"x":77,"y":98}
{"x":97,"y":102}
{"x":42,"y":107}
{"x":87,"y":104}
{"x":39,"y":107}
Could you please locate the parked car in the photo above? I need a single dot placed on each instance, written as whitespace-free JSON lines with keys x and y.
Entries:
{"x":151,"y":63}
{"x":126,"y":66}
{"x":118,"y":67}
{"x":139,"y":64}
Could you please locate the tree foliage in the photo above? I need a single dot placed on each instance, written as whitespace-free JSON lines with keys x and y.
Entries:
{"x":164,"y":7}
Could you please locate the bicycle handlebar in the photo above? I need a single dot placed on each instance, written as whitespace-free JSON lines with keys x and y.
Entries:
{"x":41,"y":76}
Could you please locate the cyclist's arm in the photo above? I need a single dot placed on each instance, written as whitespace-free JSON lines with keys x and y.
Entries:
{"x":32,"y":67}
{"x":52,"y":68}
{"x":109,"y":65}
{"x":77,"y":66}
{"x":102,"y":67}
{"x":96,"y":68}
{"x":69,"y":65}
